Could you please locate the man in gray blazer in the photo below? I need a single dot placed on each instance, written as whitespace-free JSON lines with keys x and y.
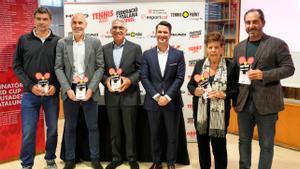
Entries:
{"x":122,"y":57}
{"x":259,"y":102}
{"x":80,"y":56}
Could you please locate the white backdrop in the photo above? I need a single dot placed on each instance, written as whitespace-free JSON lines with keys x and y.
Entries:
{"x":187,"y":19}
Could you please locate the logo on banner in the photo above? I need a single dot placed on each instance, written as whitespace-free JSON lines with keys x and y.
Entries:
{"x":102,"y":16}
{"x":195,"y":34}
{"x":186,"y":14}
{"x":195,"y":49}
{"x":179,"y":34}
{"x":127,"y":15}
{"x":192,"y":63}
{"x":93,"y":34}
{"x":155,"y":14}
{"x":138,"y":35}
{"x":71,"y":15}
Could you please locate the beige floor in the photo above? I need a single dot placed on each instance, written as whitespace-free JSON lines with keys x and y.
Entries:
{"x":283,"y":158}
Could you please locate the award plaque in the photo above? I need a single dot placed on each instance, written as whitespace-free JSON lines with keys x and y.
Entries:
{"x":245,"y":66}
{"x":115,"y":81}
{"x":81,"y":87}
{"x":43,"y":81}
{"x":203,"y":82}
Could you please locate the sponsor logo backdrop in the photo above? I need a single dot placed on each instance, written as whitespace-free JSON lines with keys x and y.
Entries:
{"x":187,"y":19}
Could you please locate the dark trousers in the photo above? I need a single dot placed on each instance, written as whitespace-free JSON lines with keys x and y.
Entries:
{"x":218,"y":148}
{"x":90,"y":109}
{"x":171,"y":121}
{"x":266,"y":124}
{"x":119,"y":118}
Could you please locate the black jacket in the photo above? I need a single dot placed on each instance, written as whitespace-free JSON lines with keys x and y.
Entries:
{"x":32,"y":56}
{"x":231,"y":91}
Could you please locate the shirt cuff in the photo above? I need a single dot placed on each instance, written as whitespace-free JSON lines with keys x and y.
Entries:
{"x":168,"y":97}
{"x":156,"y":96}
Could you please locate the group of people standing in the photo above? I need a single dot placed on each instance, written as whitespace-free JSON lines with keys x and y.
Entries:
{"x":78,"y":63}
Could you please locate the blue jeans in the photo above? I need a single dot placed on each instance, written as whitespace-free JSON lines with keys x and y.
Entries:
{"x":30,"y":108}
{"x":247,"y":119}
{"x":90,"y":109}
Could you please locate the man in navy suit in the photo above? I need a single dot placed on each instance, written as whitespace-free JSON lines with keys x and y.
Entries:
{"x":162,"y":74}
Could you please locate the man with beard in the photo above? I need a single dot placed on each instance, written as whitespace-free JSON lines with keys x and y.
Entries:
{"x":267,"y":60}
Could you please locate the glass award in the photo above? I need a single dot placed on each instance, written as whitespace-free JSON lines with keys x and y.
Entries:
{"x":81,"y":87}
{"x":43,"y":82}
{"x":245,"y":66}
{"x":115,"y":81}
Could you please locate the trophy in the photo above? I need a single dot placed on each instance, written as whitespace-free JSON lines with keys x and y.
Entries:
{"x":245,"y":65}
{"x":202,"y":80}
{"x":80,"y":87}
{"x":43,"y":81}
{"x":115,"y":81}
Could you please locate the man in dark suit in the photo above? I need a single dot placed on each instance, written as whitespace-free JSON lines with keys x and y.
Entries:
{"x":123,"y":58}
{"x":80,"y":56}
{"x":162,"y":75}
{"x":260,"y":101}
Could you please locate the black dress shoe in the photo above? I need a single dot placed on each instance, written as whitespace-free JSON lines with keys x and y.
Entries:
{"x":69,"y":165}
{"x":96,"y":165}
{"x":134,"y":165}
{"x":156,"y":166}
{"x":171,"y":166}
{"x":113,"y":165}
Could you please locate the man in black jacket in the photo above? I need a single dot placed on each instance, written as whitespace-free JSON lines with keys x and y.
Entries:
{"x":33,"y":63}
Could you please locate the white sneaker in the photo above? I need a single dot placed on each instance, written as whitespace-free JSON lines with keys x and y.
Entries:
{"x":51,"y":164}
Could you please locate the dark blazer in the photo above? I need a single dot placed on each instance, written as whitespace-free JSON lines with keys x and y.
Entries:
{"x":274,"y":59}
{"x":231,"y":91}
{"x":169,"y":84}
{"x":94,"y":64}
{"x":130,"y":62}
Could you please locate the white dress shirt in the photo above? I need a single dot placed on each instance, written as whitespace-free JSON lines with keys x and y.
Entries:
{"x":162,"y":60}
{"x":79,"y":55}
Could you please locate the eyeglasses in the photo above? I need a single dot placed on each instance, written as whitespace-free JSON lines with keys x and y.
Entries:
{"x":118,"y":27}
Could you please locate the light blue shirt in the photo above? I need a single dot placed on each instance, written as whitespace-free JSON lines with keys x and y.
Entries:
{"x":117,"y":53}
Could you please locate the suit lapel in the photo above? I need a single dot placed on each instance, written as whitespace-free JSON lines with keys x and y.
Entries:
{"x":88,"y":48}
{"x":110,"y":56}
{"x":260,"y":50}
{"x":168,"y":61}
{"x":70,"y":49}
{"x":124,"y":53}
{"x":156,"y":62}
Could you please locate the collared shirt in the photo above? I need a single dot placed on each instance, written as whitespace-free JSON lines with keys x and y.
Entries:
{"x":162,"y":59}
{"x":79,"y":55}
{"x":44,"y":38}
{"x":117,"y":53}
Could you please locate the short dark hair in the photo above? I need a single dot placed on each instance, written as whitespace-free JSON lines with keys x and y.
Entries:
{"x":260,"y":12}
{"x":214,"y":37}
{"x":43,"y":10}
{"x":164,"y":23}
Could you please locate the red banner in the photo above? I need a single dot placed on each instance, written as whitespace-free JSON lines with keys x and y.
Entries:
{"x":16,"y":18}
